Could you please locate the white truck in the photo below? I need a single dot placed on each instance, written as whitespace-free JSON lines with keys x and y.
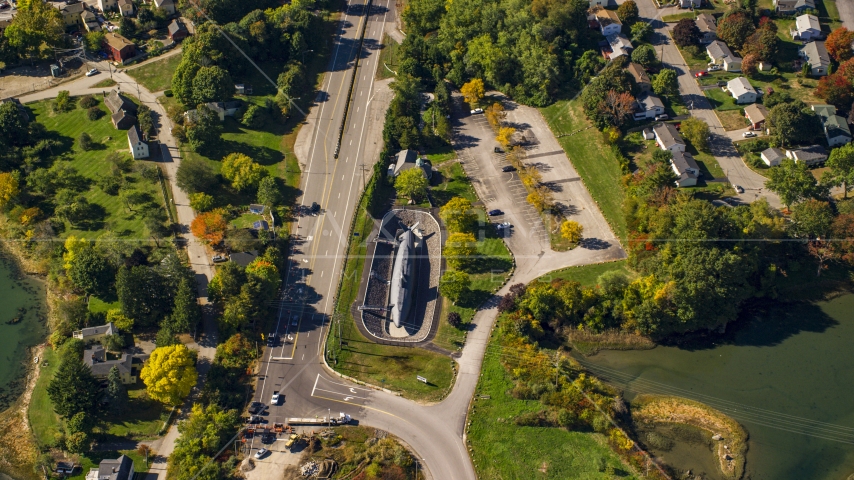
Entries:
{"x":342,"y":419}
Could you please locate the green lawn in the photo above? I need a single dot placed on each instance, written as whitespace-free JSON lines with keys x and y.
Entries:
{"x":389,"y":58}
{"x":593,"y":160}
{"x":503,"y":450}
{"x":157,"y":75}
{"x":142,"y":420}
{"x":587,"y":274}
{"x":108,"y":82}
{"x":678,"y":16}
{"x":96,"y":305}
{"x":43,"y":420}
{"x":92,"y":459}
{"x":722,"y":100}
{"x":438,"y":156}
{"x":109,"y":213}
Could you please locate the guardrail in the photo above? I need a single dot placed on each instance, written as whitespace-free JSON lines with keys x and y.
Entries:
{"x":353,"y":80}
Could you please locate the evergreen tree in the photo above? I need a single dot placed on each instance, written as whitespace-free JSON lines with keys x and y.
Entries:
{"x":117,"y":394}
{"x":185,"y":314}
{"x":73,"y":389}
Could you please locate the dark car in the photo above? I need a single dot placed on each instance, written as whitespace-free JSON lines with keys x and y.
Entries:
{"x":722,"y":83}
{"x":256,"y":408}
{"x":271,"y":340}
{"x":496,"y":212}
{"x":509,"y":168}
{"x":498,"y":150}
{"x":315,"y":208}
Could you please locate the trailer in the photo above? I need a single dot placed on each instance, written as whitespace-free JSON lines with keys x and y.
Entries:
{"x":342,"y":419}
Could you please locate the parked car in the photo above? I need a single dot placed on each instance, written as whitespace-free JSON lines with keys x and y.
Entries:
{"x":219,"y":258}
{"x":255,"y":419}
{"x":714,"y":67}
{"x":722,"y":83}
{"x":739,"y":189}
{"x":94,"y":71}
{"x":4,"y":5}
{"x":295,"y":321}
{"x":498,"y":150}
{"x":261,"y":453}
{"x":274,"y":400}
{"x":504,"y":225}
{"x":495,"y":213}
{"x":476,"y":111}
{"x":663,"y":116}
{"x":256,"y":408}
{"x":700,"y":74}
{"x":748,"y":134}
{"x":508,"y":168}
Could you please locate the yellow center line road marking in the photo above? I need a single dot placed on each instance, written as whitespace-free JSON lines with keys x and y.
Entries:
{"x":365,"y":406}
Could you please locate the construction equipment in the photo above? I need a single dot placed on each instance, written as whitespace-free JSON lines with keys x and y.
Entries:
{"x":342,"y":419}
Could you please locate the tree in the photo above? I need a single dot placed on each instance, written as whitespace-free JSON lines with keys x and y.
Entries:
{"x":750,"y":65}
{"x":91,"y":273}
{"x":13,"y":126}
{"x":454,"y":285}
{"x":167,"y":335}
{"x":127,"y":27}
{"x":226,"y":283}
{"x":201,"y":436}
{"x":212,"y":84}
{"x":616,"y":107}
{"x":811,"y":219}
{"x":201,"y":202}
{"x":836,"y":90}
{"x":641,"y":31}
{"x":473,"y":91}
{"x":241,"y":240}
{"x":169,"y":374}
{"x":666,"y":83}
{"x":209,"y":227}
{"x":686,"y":33}
{"x":63,"y":102}
{"x":9,"y":188}
{"x":412,"y":183}
{"x":144,"y":295}
{"x":292,"y":80}
{"x":644,"y":54}
{"x":458,"y":215}
{"x":806,"y":70}
{"x":185,"y":312}
{"x":791,"y":181}
{"x":268,"y":192}
{"x":122,"y":322}
{"x":588,"y":65}
{"x":696,"y":131}
{"x":628,"y":12}
{"x":40,"y":24}
{"x":195,"y":176}
{"x":454,"y":319}
{"x":116,"y":393}
{"x":840,"y":168}
{"x":838,"y":44}
{"x":205,"y":130}
{"x":242,"y":172}
{"x":459,"y":249}
{"x":236,"y":352}
{"x":94,"y":41}
{"x":794,"y":123}
{"x":735,"y":27}
{"x":71,"y":206}
{"x":505,"y":136}
{"x":571,"y":231}
{"x":73,"y":389}
{"x":146,"y":121}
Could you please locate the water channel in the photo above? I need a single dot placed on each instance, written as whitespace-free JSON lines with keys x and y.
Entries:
{"x":786,"y":374}
{"x":22,"y":326}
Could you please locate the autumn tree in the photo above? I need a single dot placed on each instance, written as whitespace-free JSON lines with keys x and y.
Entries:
{"x":242,"y":172}
{"x":412,"y":183}
{"x":210,"y":227}
{"x":458,"y":215}
{"x":169,"y":374}
{"x":686,"y":32}
{"x":460,"y":248}
{"x":454,"y":285}
{"x":473,"y":91}
{"x":840,"y":168}
{"x":836,"y":90}
{"x":696,"y":132}
{"x":505,"y":136}
{"x":735,"y":27}
{"x":838,"y":44}
{"x":201,"y":202}
{"x":236,"y":352}
{"x":9,"y":188}
{"x":616,"y":108}
{"x":628,"y":12}
{"x":750,"y":65}
{"x":571,"y":231}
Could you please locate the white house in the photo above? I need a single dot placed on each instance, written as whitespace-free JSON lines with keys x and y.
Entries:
{"x":741,"y":90}
{"x":816,"y":55}
{"x":126,"y":8}
{"x":685,"y":167}
{"x":93,"y":334}
{"x":118,"y":469}
{"x":106,"y":5}
{"x":138,"y":148}
{"x":772,"y":156}
{"x":620,"y":45}
{"x":836,"y":131}
{"x":708,"y":28}
{"x":807,"y":27}
{"x":690,"y":3}
{"x":168,"y":5}
{"x":720,"y":54}
{"x":812,"y":155}
{"x":609,"y":22}
{"x":790,"y":7}
{"x":648,"y":106}
{"x":668,"y":138}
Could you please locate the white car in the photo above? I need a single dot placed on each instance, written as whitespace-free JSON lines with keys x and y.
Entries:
{"x":261,"y":453}
{"x":94,"y":71}
{"x":748,"y":134}
{"x":739,"y":189}
{"x":275,"y":399}
{"x":504,"y":225}
{"x":714,"y":67}
{"x":476,"y":111}
{"x":663,"y":116}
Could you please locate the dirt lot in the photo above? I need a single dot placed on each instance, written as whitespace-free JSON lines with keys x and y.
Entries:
{"x":20,"y":80}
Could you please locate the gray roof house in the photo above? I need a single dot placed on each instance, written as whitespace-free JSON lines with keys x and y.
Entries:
{"x":243,"y":258}
{"x":407,"y":159}
{"x":788,"y":7}
{"x":115,"y":102}
{"x":648,"y":106}
{"x":824,"y":111}
{"x":812,"y":155}
{"x":741,"y":90}
{"x":620,"y":46}
{"x":93,"y":334}
{"x":816,"y":55}
{"x":640,"y":77}
{"x":123,"y":120}
{"x":807,"y":27}
{"x":686,"y":168}
{"x":668,"y":138}
{"x":836,"y":131}
{"x":118,"y":469}
{"x":772,"y":156}
{"x":126,"y":8}
{"x":221,"y":109}
{"x":96,"y":359}
{"x":720,"y":54}
{"x":708,"y":27}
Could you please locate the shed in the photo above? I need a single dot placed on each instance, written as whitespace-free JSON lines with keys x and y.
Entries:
{"x":756,"y":114}
{"x":772,"y":156}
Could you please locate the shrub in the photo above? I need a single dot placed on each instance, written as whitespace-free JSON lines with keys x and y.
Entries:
{"x":85,"y":142}
{"x":88,"y":101}
{"x":94,"y":113}
{"x":454,"y":319}
{"x":168,"y":93}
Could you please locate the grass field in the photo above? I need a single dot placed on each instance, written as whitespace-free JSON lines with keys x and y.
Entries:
{"x":92,"y":459}
{"x":388,"y":57}
{"x":157,"y":75}
{"x":592,"y":159}
{"x":108,"y":82}
{"x":142,"y":420}
{"x":109,"y":212}
{"x":587,"y":274}
{"x":721,"y":100}
{"x":732,"y":119}
{"x":503,"y":450}
{"x":43,"y":420}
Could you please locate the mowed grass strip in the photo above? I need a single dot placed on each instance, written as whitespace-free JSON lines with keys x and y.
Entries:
{"x":593,"y":160}
{"x":157,"y":75}
{"x":587,"y":275}
{"x":43,"y":420}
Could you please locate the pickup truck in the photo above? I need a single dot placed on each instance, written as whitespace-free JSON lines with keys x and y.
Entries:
{"x":275,"y":399}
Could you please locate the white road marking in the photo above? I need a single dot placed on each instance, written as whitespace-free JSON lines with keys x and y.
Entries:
{"x":339,"y":194}
{"x":321,"y":274}
{"x":342,"y":177}
{"x":303,"y":357}
{"x":338,"y":393}
{"x":315,"y":384}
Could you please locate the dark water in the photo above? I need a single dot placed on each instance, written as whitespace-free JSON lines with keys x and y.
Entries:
{"x":22,"y":299}
{"x":786,"y":374}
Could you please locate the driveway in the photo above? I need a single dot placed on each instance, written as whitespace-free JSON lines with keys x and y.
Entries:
{"x":846,"y":13}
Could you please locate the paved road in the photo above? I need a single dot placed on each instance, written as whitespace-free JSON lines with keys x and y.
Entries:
{"x":721,"y":145}
{"x":846,"y":13}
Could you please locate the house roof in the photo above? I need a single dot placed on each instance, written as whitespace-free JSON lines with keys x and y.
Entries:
{"x":117,"y":469}
{"x":638,"y":73}
{"x":404,"y":157}
{"x":836,"y":126}
{"x":620,"y":44}
{"x":108,"y":329}
{"x":813,"y":152}
{"x":176,"y":27}
{"x":668,"y":134}
{"x":756,"y":112}
{"x":73,"y":8}
{"x":824,"y":111}
{"x":648,"y":101}
{"x":261,"y":225}
{"x":122,"y":115}
{"x":117,"y":41}
{"x":160,"y":3}
{"x":739,"y":86}
{"x":773,"y":154}
{"x":257,"y":208}
{"x":718,"y":50}
{"x":607,"y":17}
{"x":816,"y":54}
{"x":796,"y":3}
{"x":88,"y":16}
{"x":96,"y":359}
{"x":125,"y":2}
{"x":706,"y":23}
{"x":134,"y":135}
{"x":685,"y":164}
{"x":807,"y":22}
{"x":243,"y":258}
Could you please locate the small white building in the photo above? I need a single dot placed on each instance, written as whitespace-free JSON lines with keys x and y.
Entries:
{"x":94,"y":334}
{"x":816,"y":55}
{"x":807,"y":27}
{"x":668,"y":138}
{"x":686,"y":168}
{"x":812,"y":155}
{"x":772,"y":156}
{"x":647,"y":106}
{"x":138,"y":148}
{"x":168,"y":5}
{"x":609,"y":22}
{"x":741,"y":90}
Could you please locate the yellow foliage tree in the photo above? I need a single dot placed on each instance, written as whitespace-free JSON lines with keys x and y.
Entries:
{"x":242,"y":171}
{"x":495,"y":114}
{"x":458,"y":214}
{"x":121,"y":322}
{"x":9,"y":188}
{"x":73,"y":246}
{"x":473,"y":91}
{"x":169,"y":374}
{"x":505,"y":135}
{"x":571,"y":231}
{"x":459,"y":249}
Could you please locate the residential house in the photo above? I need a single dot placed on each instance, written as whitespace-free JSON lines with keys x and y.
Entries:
{"x":599,"y":3}
{"x":640,"y":77}
{"x":756,"y":114}
{"x":812,"y":155}
{"x":720,"y":54}
{"x":177,"y":31}
{"x":138,"y":148}
{"x":824,"y":111}
{"x":407,"y":159}
{"x":836,"y":128}
{"x":168,"y":5}
{"x":96,"y":358}
{"x":260,"y":225}
{"x":772,"y":156}
{"x":708,"y":27}
{"x":647,"y":106}
{"x":257,"y":208}
{"x":243,"y":89}
{"x":690,"y":3}
{"x":791,"y":7}
{"x":609,"y":22}
{"x":619,"y":45}
{"x":115,"y":102}
{"x":243,"y":258}
{"x":90,"y":21}
{"x":807,"y":27}
{"x":741,"y":90}
{"x":668,"y":138}
{"x":686,"y":168}
{"x":119,"y":48}
{"x":94,"y":334}
{"x":126,"y":8}
{"x":118,"y":469}
{"x":123,"y":120}
{"x":107,"y":5}
{"x":71,"y":14}
{"x":816,"y":55}
{"x":221,"y":109}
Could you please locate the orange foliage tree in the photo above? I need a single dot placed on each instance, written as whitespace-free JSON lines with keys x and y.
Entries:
{"x":210,"y":227}
{"x":838,"y":44}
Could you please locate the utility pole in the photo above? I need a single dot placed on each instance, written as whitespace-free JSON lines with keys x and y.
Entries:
{"x":364,"y":169}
